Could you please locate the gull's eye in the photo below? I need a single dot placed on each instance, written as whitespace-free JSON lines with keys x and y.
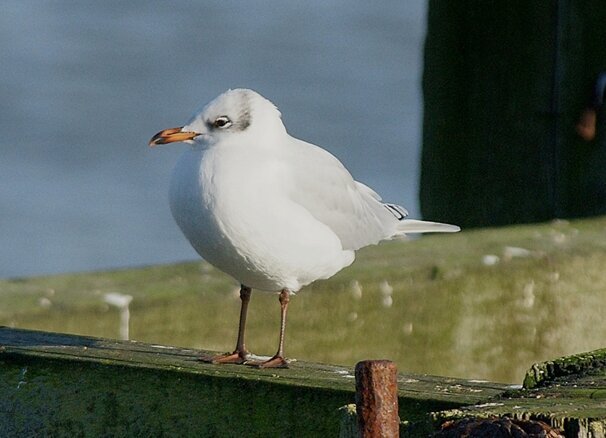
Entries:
{"x":222,"y":122}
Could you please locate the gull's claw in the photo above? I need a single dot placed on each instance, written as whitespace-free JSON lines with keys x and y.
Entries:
{"x":237,"y":357}
{"x":274,"y":362}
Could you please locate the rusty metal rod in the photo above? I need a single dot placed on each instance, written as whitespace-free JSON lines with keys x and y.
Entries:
{"x":377,"y":399}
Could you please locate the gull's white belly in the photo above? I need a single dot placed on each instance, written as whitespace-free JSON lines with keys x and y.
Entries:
{"x":238,"y":218}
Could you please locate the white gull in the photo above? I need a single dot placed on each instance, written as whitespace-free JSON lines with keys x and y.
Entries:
{"x":274,"y":212}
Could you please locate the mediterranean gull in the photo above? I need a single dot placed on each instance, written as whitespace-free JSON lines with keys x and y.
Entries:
{"x":272,"y":211}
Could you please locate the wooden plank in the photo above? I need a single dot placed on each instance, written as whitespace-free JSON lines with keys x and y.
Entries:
{"x":57,"y":384}
{"x":31,"y":343}
{"x":543,"y":373}
{"x":568,"y":393}
{"x":441,"y":321}
{"x":77,"y":384}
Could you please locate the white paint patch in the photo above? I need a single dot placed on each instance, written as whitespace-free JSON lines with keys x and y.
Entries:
{"x":409,"y":381}
{"x":355,"y":288}
{"x":387,"y":301}
{"x":408,"y":328}
{"x":385,"y":288}
{"x":490,"y":259}
{"x":386,"y":291}
{"x":45,"y":302}
{"x":510,"y":252}
{"x":22,"y":380}
{"x":489,"y":405}
{"x":121,"y":301}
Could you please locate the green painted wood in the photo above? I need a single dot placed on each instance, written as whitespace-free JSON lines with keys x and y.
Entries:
{"x":504,"y":87}
{"x":66,"y":385}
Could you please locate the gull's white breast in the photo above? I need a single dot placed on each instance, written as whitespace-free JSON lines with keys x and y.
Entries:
{"x":234,"y":205}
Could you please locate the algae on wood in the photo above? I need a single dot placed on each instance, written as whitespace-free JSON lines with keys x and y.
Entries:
{"x":445,"y":312}
{"x":55,"y":384}
{"x":541,"y":374}
{"x":568,"y":393}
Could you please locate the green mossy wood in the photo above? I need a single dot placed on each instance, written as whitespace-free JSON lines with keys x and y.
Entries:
{"x":504,"y":87}
{"x":65,"y":385}
{"x":545,"y":373}
{"x":568,"y":393}
{"x":549,"y":301}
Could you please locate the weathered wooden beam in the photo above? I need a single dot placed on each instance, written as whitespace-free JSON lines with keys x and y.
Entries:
{"x":568,"y":393}
{"x":441,"y":315}
{"x":57,"y":384}
{"x":544,"y":373}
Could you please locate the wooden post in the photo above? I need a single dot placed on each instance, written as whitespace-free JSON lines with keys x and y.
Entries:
{"x":377,"y":399}
{"x":504,"y":88}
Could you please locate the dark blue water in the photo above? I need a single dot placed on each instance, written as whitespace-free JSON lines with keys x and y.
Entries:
{"x":84,"y":85}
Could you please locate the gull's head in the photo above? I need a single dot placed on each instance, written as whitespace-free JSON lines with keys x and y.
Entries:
{"x":235,"y":112}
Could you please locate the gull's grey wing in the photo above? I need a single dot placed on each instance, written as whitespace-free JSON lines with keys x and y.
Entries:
{"x":352,"y":210}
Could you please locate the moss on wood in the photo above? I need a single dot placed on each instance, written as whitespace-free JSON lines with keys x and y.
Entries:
{"x":59,"y":385}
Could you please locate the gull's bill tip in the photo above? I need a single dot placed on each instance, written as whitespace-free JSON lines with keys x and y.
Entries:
{"x":171,"y":135}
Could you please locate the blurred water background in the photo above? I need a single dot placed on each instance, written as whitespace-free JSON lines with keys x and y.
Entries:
{"x":84,"y":85}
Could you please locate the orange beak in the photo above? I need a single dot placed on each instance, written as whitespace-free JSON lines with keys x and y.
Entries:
{"x":171,"y":135}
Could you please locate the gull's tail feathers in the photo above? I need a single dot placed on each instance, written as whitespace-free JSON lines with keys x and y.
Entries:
{"x":416,"y":226}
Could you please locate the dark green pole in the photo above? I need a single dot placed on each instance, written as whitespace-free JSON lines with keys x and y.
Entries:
{"x":505,"y":85}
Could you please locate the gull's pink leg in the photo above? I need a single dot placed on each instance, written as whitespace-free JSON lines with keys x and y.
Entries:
{"x":278,"y":360}
{"x":240,"y":354}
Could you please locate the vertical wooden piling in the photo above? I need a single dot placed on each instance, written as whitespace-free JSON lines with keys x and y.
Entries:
{"x":504,"y":87}
{"x":377,"y":399}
